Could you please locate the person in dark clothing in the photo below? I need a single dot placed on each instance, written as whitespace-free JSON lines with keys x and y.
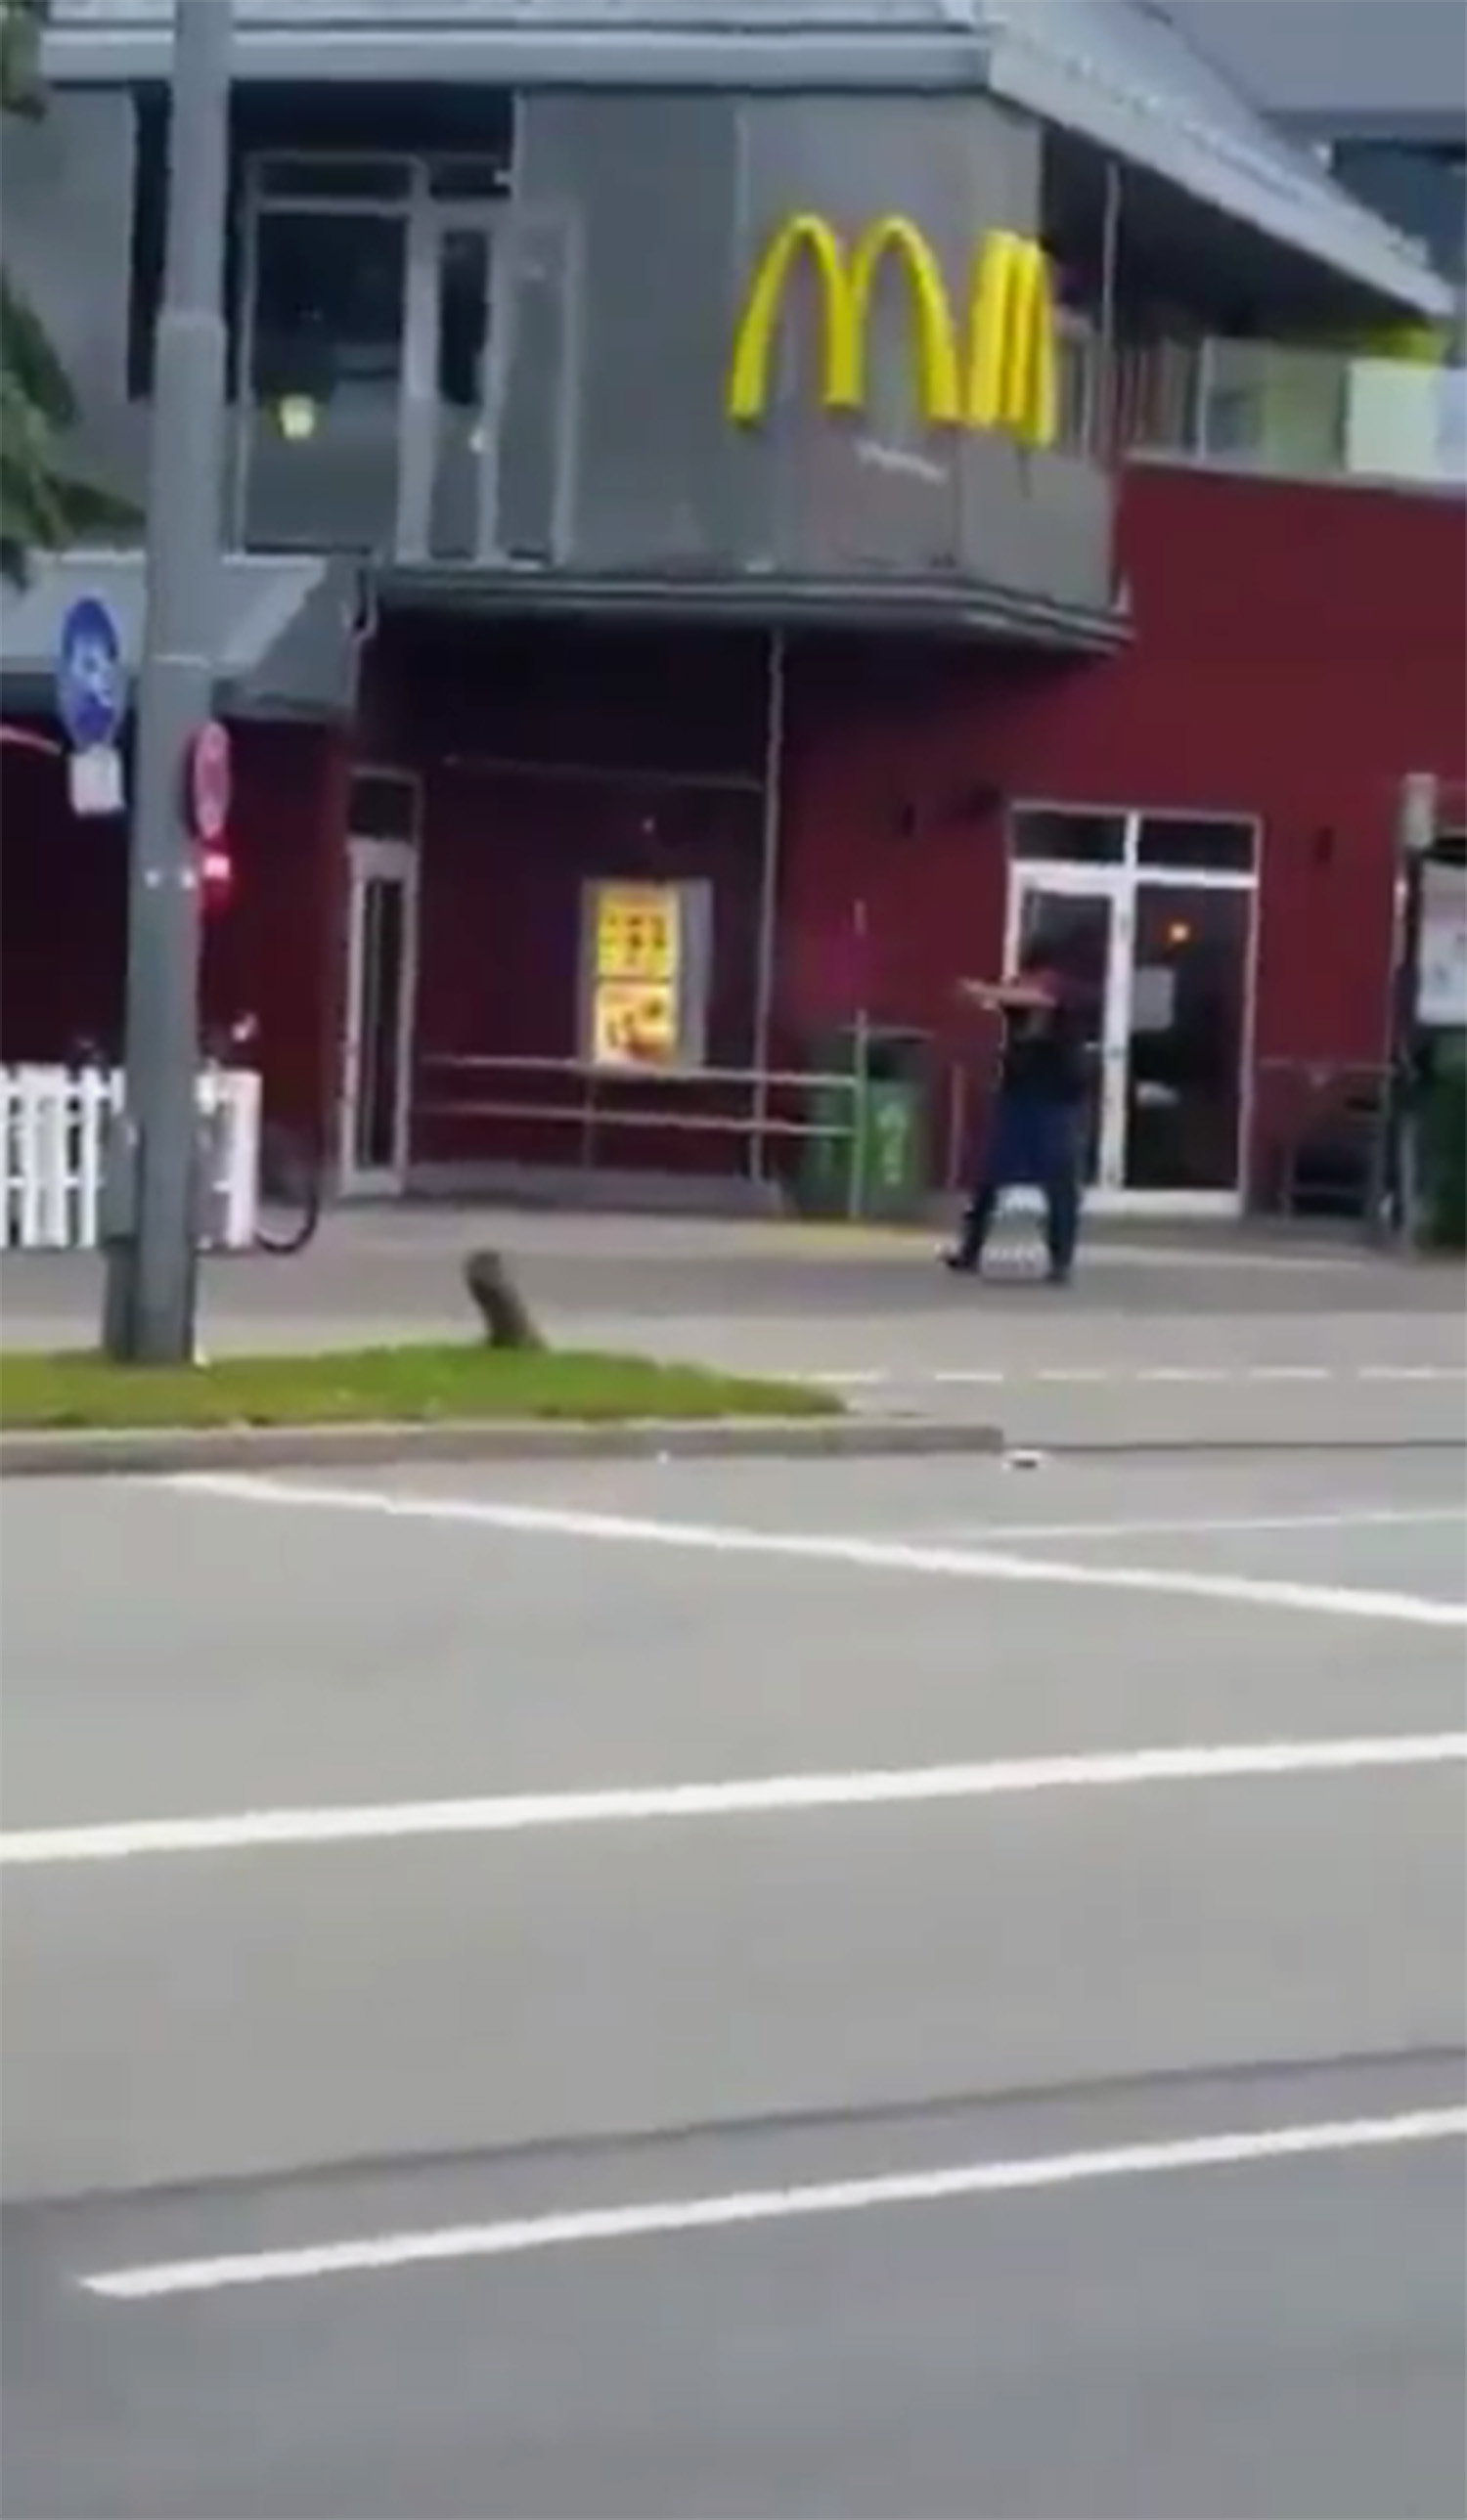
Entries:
{"x":1036,"y":1135}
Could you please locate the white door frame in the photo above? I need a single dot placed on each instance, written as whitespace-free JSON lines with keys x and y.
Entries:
{"x":509,"y":236}
{"x":1120,"y":885}
{"x":375,"y":862}
{"x":1111,"y":886}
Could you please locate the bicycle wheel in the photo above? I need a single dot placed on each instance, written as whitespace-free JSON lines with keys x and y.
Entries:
{"x":290,"y":1193}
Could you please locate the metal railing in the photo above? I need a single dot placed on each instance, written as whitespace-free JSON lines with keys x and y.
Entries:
{"x":767,"y":1110}
{"x":1273,"y":408}
{"x":1321,"y":1139}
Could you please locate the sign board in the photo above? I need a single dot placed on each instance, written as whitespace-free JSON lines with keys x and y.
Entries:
{"x":91,"y":679}
{"x":645,"y":965}
{"x":210,"y":783}
{"x":989,"y":363}
{"x":94,"y":780}
{"x":1441,"y":967}
{"x":636,"y":974}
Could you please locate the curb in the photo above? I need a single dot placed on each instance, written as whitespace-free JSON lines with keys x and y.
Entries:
{"x":138,"y":1453}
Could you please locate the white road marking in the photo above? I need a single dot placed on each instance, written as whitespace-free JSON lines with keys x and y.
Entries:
{"x":1186,"y":1374}
{"x":752,"y":1798}
{"x":872,"y":1377}
{"x":688,"y":2214}
{"x":832,"y":1549}
{"x":1411,"y":1373}
{"x":1365,"y":1519}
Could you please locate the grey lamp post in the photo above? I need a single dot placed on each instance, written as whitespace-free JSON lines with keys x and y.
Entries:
{"x":152,"y":1270}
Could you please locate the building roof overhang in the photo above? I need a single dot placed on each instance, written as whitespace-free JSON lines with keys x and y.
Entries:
{"x":286,"y":641}
{"x":1116,"y":75}
{"x":948,"y":607}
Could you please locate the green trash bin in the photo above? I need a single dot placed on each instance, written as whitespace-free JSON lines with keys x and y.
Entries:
{"x":1441,"y":1146}
{"x":870,"y":1158}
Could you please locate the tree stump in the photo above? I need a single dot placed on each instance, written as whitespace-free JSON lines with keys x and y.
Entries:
{"x":501,"y":1308}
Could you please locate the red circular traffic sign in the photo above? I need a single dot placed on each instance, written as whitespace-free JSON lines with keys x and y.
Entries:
{"x":211,"y":782}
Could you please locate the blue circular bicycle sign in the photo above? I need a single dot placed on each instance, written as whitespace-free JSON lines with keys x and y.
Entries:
{"x":91,"y":679}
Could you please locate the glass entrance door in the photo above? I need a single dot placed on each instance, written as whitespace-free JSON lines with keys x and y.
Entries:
{"x":1186,"y":1022}
{"x":382,"y":956}
{"x":1074,"y":917}
{"x":1163,"y":963}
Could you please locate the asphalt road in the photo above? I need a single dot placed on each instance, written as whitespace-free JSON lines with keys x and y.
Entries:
{"x":350,"y":1897}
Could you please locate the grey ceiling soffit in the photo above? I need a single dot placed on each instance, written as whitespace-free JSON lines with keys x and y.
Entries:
{"x":288,"y":630}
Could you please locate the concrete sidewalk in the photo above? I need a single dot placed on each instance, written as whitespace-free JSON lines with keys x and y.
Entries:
{"x":1167,"y":1335}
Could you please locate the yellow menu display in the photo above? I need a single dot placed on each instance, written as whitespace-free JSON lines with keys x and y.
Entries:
{"x":636,"y":977}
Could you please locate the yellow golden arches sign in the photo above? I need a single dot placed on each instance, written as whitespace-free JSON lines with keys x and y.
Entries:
{"x":1000,"y":375}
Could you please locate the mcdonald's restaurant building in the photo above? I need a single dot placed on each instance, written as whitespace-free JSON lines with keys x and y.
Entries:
{"x":731,"y":534}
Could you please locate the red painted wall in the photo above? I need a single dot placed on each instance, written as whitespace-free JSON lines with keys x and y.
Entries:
{"x":278,"y":951}
{"x":551,"y":754}
{"x":275,"y":951}
{"x":1296,"y":650}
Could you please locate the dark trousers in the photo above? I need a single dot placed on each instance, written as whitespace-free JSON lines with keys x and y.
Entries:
{"x":1034,"y":1142}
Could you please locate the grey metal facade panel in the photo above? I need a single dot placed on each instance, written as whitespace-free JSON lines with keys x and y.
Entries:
{"x":65,"y":210}
{"x":287,"y":644}
{"x":660,"y":478}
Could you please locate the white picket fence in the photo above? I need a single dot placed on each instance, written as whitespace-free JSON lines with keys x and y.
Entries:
{"x":54,"y":1121}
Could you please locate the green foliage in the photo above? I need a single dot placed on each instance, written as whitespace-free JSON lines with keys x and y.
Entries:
{"x":45,"y":506}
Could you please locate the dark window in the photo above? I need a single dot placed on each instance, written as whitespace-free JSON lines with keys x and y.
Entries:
{"x":467,"y":179}
{"x":1204,"y":841}
{"x":1057,"y":832}
{"x":150,"y":211}
{"x":328,"y":303}
{"x":297,"y":120}
{"x":470,"y":129}
{"x":463,"y":315}
{"x":333,"y":178}
{"x":384,"y":806}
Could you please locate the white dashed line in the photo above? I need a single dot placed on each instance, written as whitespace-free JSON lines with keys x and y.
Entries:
{"x":680,"y":2216}
{"x":953,"y":1377}
{"x":1411,"y":1372}
{"x":1186,"y":1374}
